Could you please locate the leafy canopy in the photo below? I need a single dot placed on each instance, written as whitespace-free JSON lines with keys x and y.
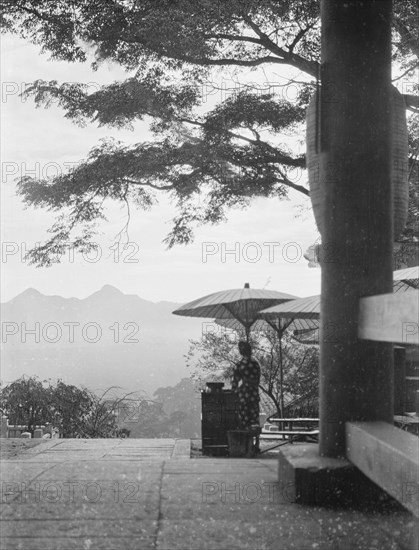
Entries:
{"x":208,"y":157}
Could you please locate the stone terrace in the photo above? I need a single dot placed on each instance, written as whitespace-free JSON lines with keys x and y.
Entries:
{"x":148,"y":494}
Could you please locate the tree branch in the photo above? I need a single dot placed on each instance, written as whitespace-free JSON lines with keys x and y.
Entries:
{"x":407,"y":71}
{"x":276,"y":157}
{"x":299,"y":36}
{"x":295,"y":186}
{"x":233,"y":37}
{"x":228,"y":61}
{"x":147,"y":184}
{"x":305,"y":65}
{"x":204,"y":61}
{"x":36,"y":13}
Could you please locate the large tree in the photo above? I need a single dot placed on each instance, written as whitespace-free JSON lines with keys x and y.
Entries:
{"x":27,"y":401}
{"x":172,"y":50}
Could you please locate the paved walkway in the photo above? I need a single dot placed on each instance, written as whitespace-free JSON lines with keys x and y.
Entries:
{"x":147,"y":494}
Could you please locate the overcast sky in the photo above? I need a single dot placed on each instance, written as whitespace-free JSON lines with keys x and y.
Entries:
{"x":43,"y":142}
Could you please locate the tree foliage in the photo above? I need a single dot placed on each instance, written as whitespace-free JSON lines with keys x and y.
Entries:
{"x":182,"y":405}
{"x":407,"y":250}
{"x":174,"y":411}
{"x":75,"y":412}
{"x":69,"y":406}
{"x":207,"y":157}
{"x":101,"y":420}
{"x":81,"y":413}
{"x":27,"y":402}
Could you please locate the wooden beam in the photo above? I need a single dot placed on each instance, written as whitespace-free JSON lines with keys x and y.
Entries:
{"x":399,"y":380}
{"x":390,"y":318}
{"x":389,"y":457}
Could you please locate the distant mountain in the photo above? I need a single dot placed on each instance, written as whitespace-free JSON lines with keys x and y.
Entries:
{"x":106,"y":339}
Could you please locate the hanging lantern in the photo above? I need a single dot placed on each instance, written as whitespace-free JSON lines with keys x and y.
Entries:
{"x":399,"y":171}
{"x":312,"y":254}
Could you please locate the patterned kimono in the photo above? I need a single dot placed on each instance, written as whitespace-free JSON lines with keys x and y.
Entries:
{"x":246,"y":383}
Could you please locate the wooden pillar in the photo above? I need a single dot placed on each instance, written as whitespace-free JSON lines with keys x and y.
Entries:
{"x":356,"y":380}
{"x":399,"y":380}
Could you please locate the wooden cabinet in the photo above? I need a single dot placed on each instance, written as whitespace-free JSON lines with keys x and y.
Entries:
{"x":219,"y":415}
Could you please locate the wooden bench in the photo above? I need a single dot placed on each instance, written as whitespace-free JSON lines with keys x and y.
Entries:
{"x":389,"y":457}
{"x":292,"y":434}
{"x":407,"y":423}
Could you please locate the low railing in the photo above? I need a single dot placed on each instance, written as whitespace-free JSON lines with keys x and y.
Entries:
{"x":21,"y":430}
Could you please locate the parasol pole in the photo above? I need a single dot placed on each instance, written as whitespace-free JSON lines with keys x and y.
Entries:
{"x":247,"y":326}
{"x":280,"y":332}
{"x":281,"y":375}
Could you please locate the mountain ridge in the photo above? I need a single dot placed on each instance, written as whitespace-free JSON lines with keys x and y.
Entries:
{"x":34,"y":292}
{"x":108,"y":338}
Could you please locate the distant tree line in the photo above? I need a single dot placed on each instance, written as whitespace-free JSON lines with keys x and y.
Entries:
{"x":75,"y":412}
{"x":78,"y":412}
{"x":173,"y":412}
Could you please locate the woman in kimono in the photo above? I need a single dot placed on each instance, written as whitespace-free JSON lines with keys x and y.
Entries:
{"x":245,"y":382}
